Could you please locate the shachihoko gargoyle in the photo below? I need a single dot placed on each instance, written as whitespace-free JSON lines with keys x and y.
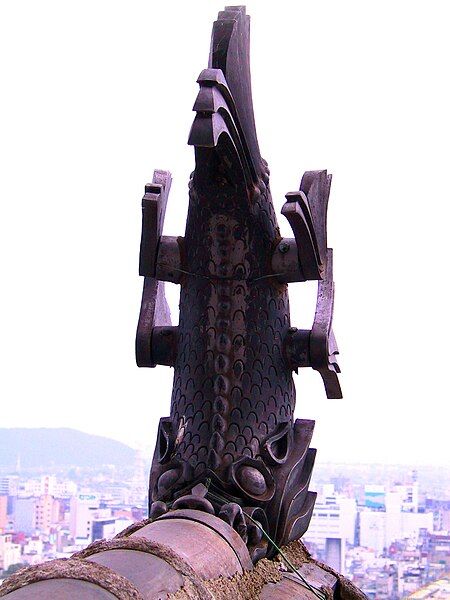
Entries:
{"x":230,"y":445}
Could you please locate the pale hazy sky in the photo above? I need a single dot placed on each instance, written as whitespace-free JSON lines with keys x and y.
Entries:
{"x":96,"y":94}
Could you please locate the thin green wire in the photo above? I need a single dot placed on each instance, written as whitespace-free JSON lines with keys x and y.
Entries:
{"x":318,"y":593}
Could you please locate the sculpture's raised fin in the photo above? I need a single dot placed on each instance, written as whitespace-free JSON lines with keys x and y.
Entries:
{"x":317,"y":348}
{"x":306,"y":211}
{"x":323,"y":346}
{"x":224,"y":107}
{"x":230,"y":52}
{"x":154,"y":308}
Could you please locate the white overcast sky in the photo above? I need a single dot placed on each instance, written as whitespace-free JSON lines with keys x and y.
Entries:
{"x":96,"y":94}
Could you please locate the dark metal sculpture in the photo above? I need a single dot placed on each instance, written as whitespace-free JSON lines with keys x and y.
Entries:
{"x":230,"y":446}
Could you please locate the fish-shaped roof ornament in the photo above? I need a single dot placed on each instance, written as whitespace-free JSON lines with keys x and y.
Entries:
{"x":231,"y":446}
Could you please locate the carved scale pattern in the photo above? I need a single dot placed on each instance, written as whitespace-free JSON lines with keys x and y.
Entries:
{"x":230,"y":368}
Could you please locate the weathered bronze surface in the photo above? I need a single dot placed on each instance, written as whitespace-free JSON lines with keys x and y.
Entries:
{"x":231,"y":425}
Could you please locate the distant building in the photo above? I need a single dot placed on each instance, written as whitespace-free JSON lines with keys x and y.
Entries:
{"x":47,"y":485}
{"x":378,"y":529}
{"x":82,"y":509}
{"x":437,"y":548}
{"x":375,"y":496}
{"x":372,"y":530}
{"x":10,"y":553}
{"x":65,"y":489}
{"x":332,"y":525}
{"x":46,"y":513}
{"x":441,"y":512}
{"x":409,"y":494}
{"x":33,"y":550}
{"x":25,"y":516}
{"x":3,"y":512}
{"x":9,"y":485}
{"x":412,"y":523}
{"x":103,"y":528}
{"x":62,"y":538}
{"x":139,"y":483}
{"x":445,"y":520}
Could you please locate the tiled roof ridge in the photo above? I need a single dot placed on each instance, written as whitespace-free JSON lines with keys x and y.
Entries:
{"x":75,"y":569}
{"x":266,"y":580}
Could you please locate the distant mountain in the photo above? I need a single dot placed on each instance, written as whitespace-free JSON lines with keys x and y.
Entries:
{"x":60,"y":447}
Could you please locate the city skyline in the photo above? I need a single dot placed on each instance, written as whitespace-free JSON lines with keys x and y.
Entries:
{"x":387,"y":530}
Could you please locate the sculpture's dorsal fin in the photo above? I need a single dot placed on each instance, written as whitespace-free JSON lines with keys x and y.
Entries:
{"x":230,"y":52}
{"x":224,"y":104}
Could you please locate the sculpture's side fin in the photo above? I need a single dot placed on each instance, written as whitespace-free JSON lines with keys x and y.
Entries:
{"x":308,"y":258}
{"x":154,"y":204}
{"x":154,"y":308}
{"x":317,"y":347}
{"x":323,"y":347}
{"x":306,"y":211}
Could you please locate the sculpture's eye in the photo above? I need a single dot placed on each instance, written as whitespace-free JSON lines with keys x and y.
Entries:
{"x":277,"y":446}
{"x":253,"y":478}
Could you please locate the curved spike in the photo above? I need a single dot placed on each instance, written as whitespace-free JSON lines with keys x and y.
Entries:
{"x":230,"y":52}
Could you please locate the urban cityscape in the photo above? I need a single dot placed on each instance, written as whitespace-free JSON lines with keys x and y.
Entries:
{"x":387,"y":528}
